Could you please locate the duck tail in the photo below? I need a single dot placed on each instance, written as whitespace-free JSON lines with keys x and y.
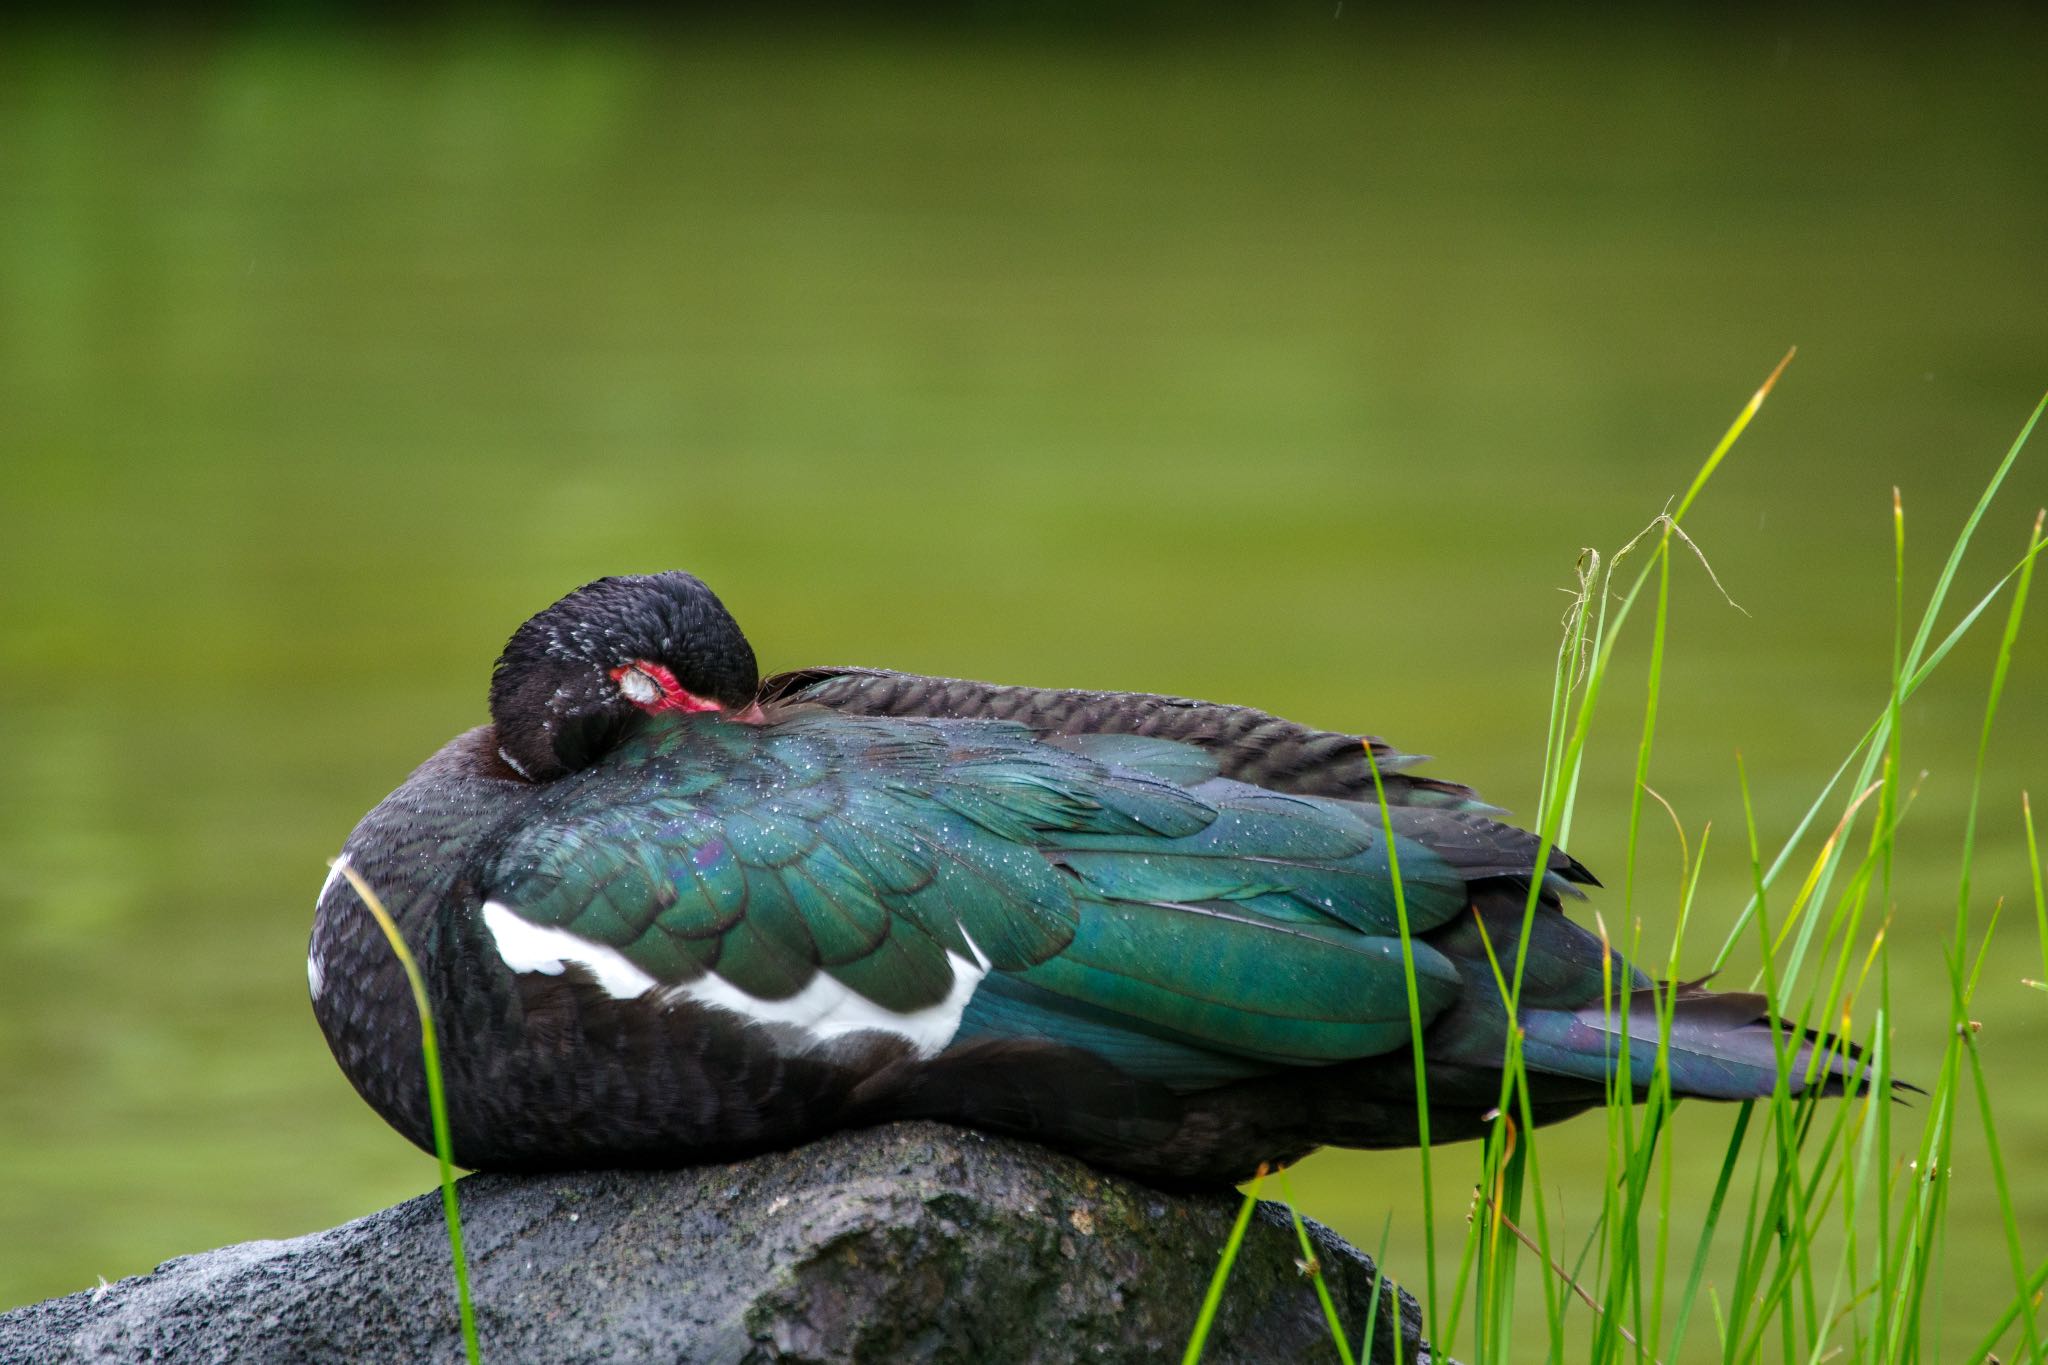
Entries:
{"x":1723,"y":1046}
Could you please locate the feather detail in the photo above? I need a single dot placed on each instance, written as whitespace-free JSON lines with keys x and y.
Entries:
{"x":1247,"y":744}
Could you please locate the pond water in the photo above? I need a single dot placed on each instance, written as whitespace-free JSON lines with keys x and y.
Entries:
{"x":1290,"y":367}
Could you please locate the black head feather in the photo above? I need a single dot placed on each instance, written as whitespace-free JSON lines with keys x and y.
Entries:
{"x":555,"y":703}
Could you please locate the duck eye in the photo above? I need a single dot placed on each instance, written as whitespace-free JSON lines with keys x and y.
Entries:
{"x":640,"y":689}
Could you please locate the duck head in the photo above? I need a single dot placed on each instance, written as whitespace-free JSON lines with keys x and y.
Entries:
{"x":573,"y":677}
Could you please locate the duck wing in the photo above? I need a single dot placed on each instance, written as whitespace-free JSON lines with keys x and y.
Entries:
{"x":944,"y":880}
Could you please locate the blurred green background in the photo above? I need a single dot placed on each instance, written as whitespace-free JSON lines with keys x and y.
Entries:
{"x":1288,"y":359}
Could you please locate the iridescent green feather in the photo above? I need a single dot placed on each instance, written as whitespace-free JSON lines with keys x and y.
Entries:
{"x":1181,"y":930}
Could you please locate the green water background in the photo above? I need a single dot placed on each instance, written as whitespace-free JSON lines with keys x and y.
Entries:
{"x":1289,"y":361}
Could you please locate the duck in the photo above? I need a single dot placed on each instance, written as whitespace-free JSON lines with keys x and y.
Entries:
{"x":668,"y":913}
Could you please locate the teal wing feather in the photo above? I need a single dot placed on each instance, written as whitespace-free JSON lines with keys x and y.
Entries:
{"x":1123,"y":897}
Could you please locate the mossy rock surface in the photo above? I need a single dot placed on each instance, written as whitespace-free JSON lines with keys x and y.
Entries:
{"x":915,"y":1243}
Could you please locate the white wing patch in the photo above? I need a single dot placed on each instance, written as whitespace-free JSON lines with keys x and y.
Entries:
{"x":826,"y":1009}
{"x":823,"y":1010}
{"x":316,"y":975}
{"x":333,"y":876}
{"x":530,"y":947}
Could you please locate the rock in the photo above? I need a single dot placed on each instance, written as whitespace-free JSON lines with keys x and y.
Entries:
{"x":916,"y":1243}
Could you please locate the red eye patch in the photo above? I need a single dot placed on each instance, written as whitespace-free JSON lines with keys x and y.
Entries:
{"x":654,"y":689}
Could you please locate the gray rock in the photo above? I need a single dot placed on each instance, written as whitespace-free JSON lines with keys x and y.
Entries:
{"x":916,"y":1243}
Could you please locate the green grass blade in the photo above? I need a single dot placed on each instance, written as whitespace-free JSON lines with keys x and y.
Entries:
{"x":1734,"y":434}
{"x":2008,"y":1217}
{"x":1212,"y":1300}
{"x":1379,"y":1280}
{"x":2040,"y":899}
{"x":437,"y":1103}
{"x":1315,"y":1274}
{"x":1415,"y":1044}
{"x":1955,"y":557}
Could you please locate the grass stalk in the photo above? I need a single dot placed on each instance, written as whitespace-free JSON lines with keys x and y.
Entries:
{"x":1211,"y":1301}
{"x":1379,"y":789}
{"x":1314,"y":1266}
{"x":437,"y":1103}
{"x":1379,"y":1282}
